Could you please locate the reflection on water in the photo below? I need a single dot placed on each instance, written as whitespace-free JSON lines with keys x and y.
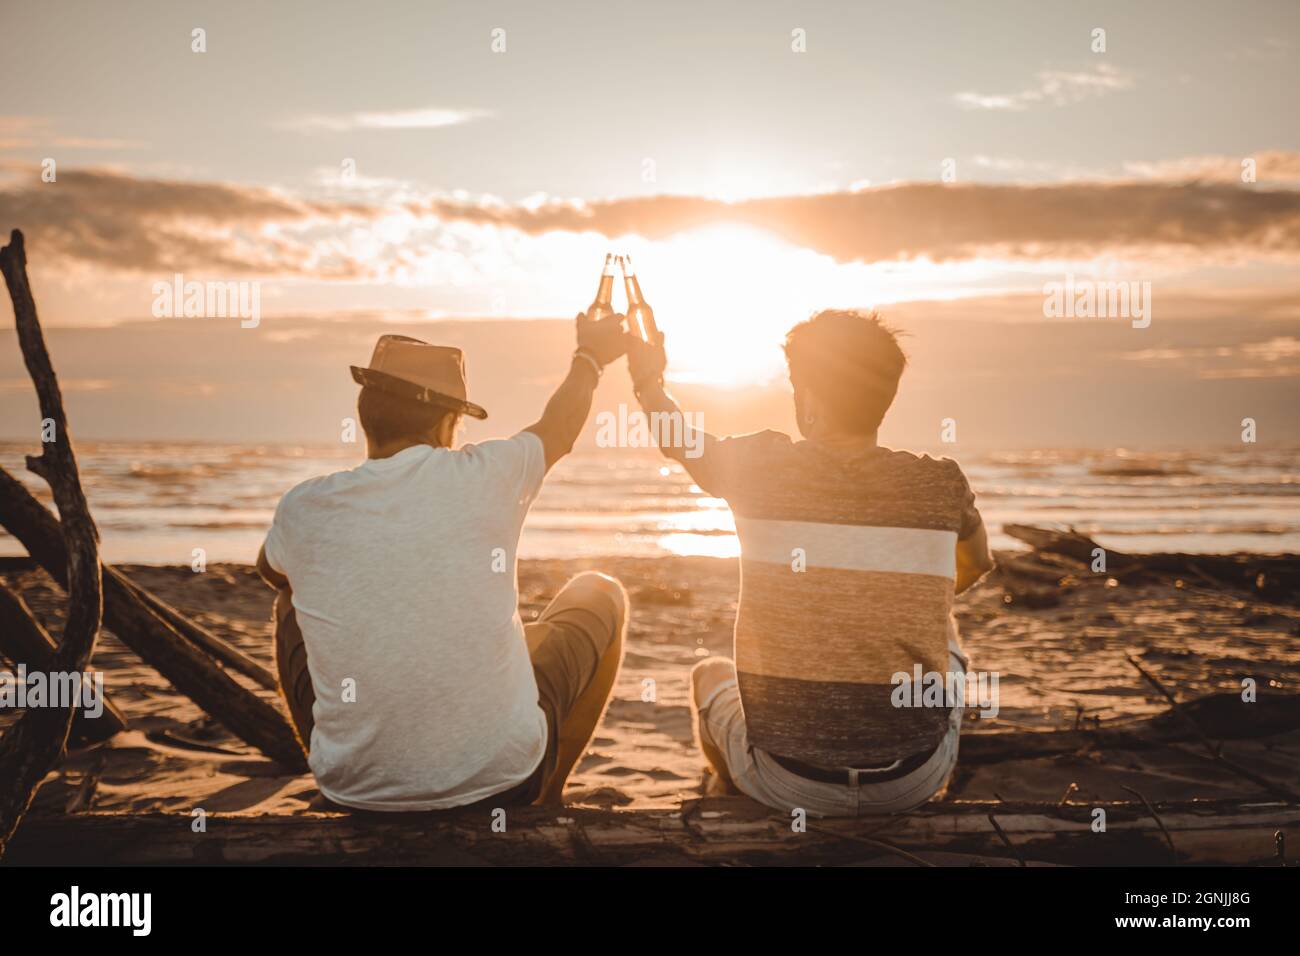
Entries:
{"x":700,"y":545}
{"x":156,"y":502}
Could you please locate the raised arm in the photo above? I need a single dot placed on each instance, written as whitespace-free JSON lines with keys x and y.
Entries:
{"x":599,"y":343}
{"x":697,"y":450}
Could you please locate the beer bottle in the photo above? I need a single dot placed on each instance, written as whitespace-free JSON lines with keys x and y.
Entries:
{"x":640,"y":317}
{"x":602,"y":307}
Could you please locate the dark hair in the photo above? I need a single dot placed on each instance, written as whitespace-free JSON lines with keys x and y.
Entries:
{"x":387,"y":417}
{"x":851,"y":361}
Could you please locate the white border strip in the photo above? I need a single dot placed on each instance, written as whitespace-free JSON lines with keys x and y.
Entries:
{"x":850,"y":547}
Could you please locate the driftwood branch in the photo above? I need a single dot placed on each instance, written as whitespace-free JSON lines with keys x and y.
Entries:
{"x":1174,"y":706}
{"x":1214,"y":750}
{"x":198,"y":635}
{"x":1067,"y":543}
{"x":1222,"y":715}
{"x":41,"y":534}
{"x":722,"y":830}
{"x":1269,"y":576}
{"x":33,"y":745}
{"x":158,"y":643}
{"x":24,"y":641}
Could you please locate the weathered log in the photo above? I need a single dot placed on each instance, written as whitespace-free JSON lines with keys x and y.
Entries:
{"x":32,"y":746}
{"x":1266,"y":575}
{"x":1010,"y":564}
{"x":223,"y":651}
{"x":715,"y":830}
{"x":140,"y":628}
{"x":1068,"y":543}
{"x":24,"y":641}
{"x":1214,"y":751}
{"x":1223,"y":716}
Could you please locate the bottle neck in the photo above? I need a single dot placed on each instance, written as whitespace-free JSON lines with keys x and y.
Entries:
{"x":605,"y":291}
{"x":634,"y":296}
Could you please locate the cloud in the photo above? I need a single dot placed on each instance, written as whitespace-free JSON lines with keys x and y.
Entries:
{"x":112,"y":220}
{"x":946,"y":221}
{"x":119,"y":222}
{"x":1277,"y":357}
{"x":24,"y":132}
{"x":65,"y":385}
{"x":1054,"y":88}
{"x":90,"y":142}
{"x":1271,"y":166}
{"x":430,"y":118}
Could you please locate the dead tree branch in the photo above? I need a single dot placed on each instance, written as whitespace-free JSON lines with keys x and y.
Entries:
{"x":33,"y":745}
{"x":189,"y":668}
{"x":24,"y":641}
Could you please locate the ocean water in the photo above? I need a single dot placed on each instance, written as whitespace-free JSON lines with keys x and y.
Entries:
{"x":155,"y":502}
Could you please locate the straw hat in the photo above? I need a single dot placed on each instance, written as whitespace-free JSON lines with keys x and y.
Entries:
{"x":407,"y":367}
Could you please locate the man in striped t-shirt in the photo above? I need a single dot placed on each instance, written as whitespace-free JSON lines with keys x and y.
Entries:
{"x":850,"y":557}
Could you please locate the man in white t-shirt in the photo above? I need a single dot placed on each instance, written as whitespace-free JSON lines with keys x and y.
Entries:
{"x":410,"y":677}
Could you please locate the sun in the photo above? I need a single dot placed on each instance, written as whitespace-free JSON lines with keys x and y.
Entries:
{"x":724,"y":297}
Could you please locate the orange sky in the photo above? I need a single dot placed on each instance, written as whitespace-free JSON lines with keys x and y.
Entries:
{"x":478,"y":161}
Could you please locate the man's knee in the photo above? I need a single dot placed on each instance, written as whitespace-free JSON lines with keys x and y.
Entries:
{"x":708,"y":675}
{"x":604,"y":590}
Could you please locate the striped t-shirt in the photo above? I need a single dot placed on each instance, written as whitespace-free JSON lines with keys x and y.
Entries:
{"x":848,"y":562}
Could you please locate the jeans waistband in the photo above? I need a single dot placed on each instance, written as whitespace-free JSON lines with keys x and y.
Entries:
{"x":855,"y":776}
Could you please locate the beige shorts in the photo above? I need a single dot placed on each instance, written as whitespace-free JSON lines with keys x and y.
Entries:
{"x":757,"y":775}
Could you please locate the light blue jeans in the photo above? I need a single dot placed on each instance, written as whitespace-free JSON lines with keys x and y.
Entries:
{"x":757,"y":775}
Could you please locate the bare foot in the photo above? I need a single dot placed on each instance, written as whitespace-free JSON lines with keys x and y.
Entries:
{"x":714,"y":785}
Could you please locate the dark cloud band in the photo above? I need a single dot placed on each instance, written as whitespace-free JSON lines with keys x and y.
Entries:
{"x":124,"y":223}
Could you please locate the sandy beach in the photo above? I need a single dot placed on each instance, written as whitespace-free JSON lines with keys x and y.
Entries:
{"x":1060,"y":667}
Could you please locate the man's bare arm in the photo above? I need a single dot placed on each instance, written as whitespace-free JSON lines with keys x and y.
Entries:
{"x":567,"y":410}
{"x":655,"y":400}
{"x":974,"y":559}
{"x":269,"y":574}
{"x":698,"y":450}
{"x":599,"y":343}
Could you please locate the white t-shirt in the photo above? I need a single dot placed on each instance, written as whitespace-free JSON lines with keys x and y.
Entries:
{"x":403,"y":577}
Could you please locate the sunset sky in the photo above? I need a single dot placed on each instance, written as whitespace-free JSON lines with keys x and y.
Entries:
{"x":377,"y":164}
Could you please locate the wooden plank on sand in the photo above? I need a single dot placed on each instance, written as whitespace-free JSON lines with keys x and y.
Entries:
{"x":716,"y":830}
